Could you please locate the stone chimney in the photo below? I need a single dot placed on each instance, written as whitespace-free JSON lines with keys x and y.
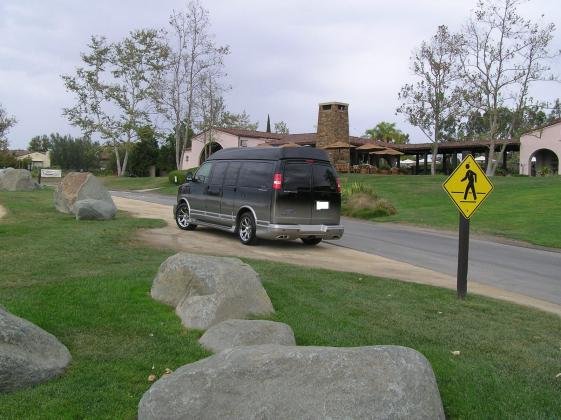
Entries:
{"x":333,"y":126}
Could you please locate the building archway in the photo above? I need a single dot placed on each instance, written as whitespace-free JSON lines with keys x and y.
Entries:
{"x":208,"y":150}
{"x":543,"y":161}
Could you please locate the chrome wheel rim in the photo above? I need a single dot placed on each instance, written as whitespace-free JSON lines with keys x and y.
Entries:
{"x":183,"y":217}
{"x":245,"y":229}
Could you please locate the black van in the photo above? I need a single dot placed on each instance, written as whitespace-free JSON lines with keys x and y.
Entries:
{"x":272,"y":193}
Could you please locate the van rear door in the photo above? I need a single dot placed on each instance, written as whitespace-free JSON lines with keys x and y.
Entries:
{"x":326,"y":206}
{"x":294,"y":199}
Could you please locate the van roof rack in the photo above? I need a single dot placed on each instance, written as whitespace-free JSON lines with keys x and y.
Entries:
{"x":261,"y":153}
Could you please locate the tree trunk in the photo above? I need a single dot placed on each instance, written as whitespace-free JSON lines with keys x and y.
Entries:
{"x":178,"y":148}
{"x":433,"y":163}
{"x":117,"y":158}
{"x":125,"y":160}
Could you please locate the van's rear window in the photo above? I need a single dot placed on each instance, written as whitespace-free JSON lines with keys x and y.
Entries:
{"x":297,"y":176}
{"x":325,"y":178}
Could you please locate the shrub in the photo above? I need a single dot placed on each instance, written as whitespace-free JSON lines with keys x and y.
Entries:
{"x":177,"y":177}
{"x":360,"y":200}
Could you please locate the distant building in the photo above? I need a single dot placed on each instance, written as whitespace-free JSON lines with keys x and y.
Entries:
{"x":540,"y":149}
{"x":332,"y":127}
{"x":38,"y":160}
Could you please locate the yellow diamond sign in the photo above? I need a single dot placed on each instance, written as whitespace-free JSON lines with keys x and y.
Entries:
{"x":468,"y":186}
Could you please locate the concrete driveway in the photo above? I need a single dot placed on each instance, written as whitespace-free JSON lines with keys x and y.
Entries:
{"x":325,"y":255}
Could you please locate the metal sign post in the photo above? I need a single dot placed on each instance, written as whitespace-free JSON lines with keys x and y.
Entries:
{"x":467,"y":187}
{"x":463,"y":256}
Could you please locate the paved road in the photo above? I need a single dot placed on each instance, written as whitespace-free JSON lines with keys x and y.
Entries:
{"x":532,"y":272}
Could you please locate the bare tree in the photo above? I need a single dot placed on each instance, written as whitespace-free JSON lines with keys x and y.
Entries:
{"x":435,"y":99}
{"x":193,"y":52}
{"x":502,"y":56}
{"x":211,"y":104}
{"x":6,"y":122}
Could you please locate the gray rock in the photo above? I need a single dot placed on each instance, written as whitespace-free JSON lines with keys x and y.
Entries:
{"x":241,"y":332}
{"x":271,"y":381}
{"x":206,"y":290}
{"x":28,"y":354}
{"x":82,"y":186}
{"x":17,"y":180}
{"x":90,"y":209}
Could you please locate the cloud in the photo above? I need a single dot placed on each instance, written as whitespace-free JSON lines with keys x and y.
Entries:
{"x":286,"y":56}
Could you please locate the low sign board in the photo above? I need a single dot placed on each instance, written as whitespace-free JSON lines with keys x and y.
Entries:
{"x":51,"y":173}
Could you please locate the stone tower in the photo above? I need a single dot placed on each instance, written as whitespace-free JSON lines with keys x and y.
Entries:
{"x":333,"y":126}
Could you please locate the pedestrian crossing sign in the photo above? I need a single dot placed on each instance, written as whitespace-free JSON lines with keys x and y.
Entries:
{"x":468,"y":186}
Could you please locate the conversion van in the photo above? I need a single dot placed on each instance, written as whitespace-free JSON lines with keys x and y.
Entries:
{"x":270,"y":193}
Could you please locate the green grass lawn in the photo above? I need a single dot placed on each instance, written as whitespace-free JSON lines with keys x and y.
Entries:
{"x":141,"y":183}
{"x":521,"y":208}
{"x":88,"y":284}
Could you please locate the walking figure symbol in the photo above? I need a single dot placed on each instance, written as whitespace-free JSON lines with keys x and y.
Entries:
{"x":471,"y":178}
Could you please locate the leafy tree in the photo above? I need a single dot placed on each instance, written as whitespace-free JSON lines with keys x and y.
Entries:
{"x":74,"y":154}
{"x":144,"y":152}
{"x":39,"y":144}
{"x":116,"y":89}
{"x":281,"y":128}
{"x":166,"y":155}
{"x":555,"y":112}
{"x":502,"y":55}
{"x":434,"y":101}
{"x":230,"y":120}
{"x":6,"y":122}
{"x":387,"y":132}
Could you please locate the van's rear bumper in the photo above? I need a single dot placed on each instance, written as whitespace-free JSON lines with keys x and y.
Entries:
{"x":273,"y":231}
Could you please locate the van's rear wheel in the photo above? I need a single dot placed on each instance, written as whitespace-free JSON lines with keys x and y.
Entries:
{"x":311,"y":241}
{"x":246,"y":229}
{"x":182,"y":217}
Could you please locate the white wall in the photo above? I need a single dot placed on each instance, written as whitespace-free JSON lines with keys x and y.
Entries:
{"x":547,"y":138}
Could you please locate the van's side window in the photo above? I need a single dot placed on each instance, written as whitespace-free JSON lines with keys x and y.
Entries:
{"x":297,"y":177}
{"x":232,"y":174}
{"x":256,"y":175}
{"x":218,"y":173}
{"x":324,"y":178}
{"x":203,"y":172}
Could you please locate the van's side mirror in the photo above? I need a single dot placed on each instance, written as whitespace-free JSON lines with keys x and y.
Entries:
{"x":189,"y":177}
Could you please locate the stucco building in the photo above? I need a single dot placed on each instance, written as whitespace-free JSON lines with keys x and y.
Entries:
{"x":332,"y":127}
{"x":541,"y":149}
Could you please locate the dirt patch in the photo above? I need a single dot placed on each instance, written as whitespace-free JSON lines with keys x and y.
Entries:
{"x":3,"y":211}
{"x":214,"y":242}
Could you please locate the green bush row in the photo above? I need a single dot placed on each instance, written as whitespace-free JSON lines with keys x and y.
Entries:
{"x":178,"y":177}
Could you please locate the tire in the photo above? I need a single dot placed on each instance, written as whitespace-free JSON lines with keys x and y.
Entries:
{"x":311,"y":241}
{"x":182,"y":217}
{"x":246,"y":229}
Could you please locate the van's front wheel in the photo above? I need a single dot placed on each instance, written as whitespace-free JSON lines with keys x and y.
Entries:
{"x":311,"y":241}
{"x":182,"y":217}
{"x":246,"y":229}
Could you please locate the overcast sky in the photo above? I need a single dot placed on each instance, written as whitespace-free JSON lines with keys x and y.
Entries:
{"x":286,"y":56}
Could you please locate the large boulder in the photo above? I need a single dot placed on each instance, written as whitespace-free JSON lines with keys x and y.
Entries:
{"x":28,"y":354}
{"x":90,"y":209}
{"x":17,"y":180}
{"x":76,"y":187}
{"x":242,"y":332}
{"x":206,"y":290}
{"x":271,"y":381}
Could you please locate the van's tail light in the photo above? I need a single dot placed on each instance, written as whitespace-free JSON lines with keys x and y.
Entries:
{"x":338,"y":185}
{"x":277,"y":181}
